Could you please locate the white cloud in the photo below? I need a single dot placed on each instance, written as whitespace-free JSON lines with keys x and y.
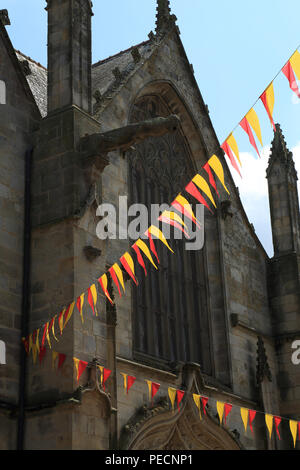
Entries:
{"x":253,"y":189}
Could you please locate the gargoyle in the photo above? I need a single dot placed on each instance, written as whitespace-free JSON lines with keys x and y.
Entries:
{"x":95,"y":147}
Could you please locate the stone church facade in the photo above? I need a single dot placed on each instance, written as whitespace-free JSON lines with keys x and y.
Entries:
{"x":219,"y":322}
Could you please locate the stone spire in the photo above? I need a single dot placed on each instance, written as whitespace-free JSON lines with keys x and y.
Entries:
{"x":283,"y":196}
{"x":164,"y":18}
{"x":4,"y":17}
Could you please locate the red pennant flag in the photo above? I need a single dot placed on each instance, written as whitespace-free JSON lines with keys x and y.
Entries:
{"x":103,"y":283}
{"x":26,"y":344}
{"x":44,"y":334}
{"x":227,"y":409}
{"x":246,"y":126}
{"x":180,"y":208}
{"x":191,"y":189}
{"x":61,"y":360}
{"x":80,"y":367}
{"x":154,"y":389}
{"x":277,"y":421}
{"x":252,"y":414}
{"x":139,"y":257}
{"x":115,"y":279}
{"x":152,"y":246}
{"x":175,"y":224}
{"x":180,"y":395}
{"x":106,"y":374}
{"x":42,"y":353}
{"x":127,"y":268}
{"x":229,"y":154}
{"x":289,"y":73}
{"x":204,"y":401}
{"x":130,"y":382}
{"x":212,"y":182}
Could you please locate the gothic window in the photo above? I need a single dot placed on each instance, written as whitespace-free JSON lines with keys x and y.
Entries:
{"x":170,"y":322}
{"x":2,"y":92}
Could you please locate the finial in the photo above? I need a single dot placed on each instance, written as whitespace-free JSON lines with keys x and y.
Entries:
{"x":4,"y":17}
{"x":164,"y":18}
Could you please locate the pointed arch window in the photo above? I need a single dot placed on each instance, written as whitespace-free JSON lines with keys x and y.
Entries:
{"x":2,"y":92}
{"x":169,"y":308}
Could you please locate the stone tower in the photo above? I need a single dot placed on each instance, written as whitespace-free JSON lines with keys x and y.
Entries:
{"x":284,"y":268}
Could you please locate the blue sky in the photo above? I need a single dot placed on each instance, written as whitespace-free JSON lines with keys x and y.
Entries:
{"x":236,"y":48}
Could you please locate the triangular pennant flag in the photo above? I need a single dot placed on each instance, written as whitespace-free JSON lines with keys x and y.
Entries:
{"x":269,"y":423}
{"x":139,"y":258}
{"x":103,"y":283}
{"x":30,"y":343}
{"x":80,"y":367}
{"x":142,"y":246}
{"x":149,"y":383}
{"x":230,"y":155}
{"x":193,"y":191}
{"x":289,"y":73}
{"x":216,"y":165}
{"x":42,"y":353}
{"x":180,"y":395}
{"x":252,"y":414}
{"x":268,"y":101}
{"x":173,"y":219}
{"x":26,"y":344}
{"x":105,"y":374}
{"x":152,"y":246}
{"x":68,"y":313}
{"x":61,"y":320}
{"x":130,"y":382}
{"x":153,"y":230}
{"x":93,"y":290}
{"x":220,"y":409}
{"x":128,"y":265}
{"x":124,"y":381}
{"x":79,"y":304}
{"x":277,"y":421}
{"x":212,"y":182}
{"x":44,"y":334}
{"x":54,"y":357}
{"x":183,"y":206}
{"x":51,"y":326}
{"x":91,"y":299}
{"x":153,"y":388}
{"x":198,"y":403}
{"x":227,"y":409}
{"x":172,"y":396}
{"x":37,"y":340}
{"x":119,"y":274}
{"x":295,"y":63}
{"x":244,"y":415}
{"x":204,"y":401}
{"x":253,"y":120}
{"x":245,"y":125}
{"x":234,"y":146}
{"x":61,"y":360}
{"x":202,"y":184}
{"x":293,"y":428}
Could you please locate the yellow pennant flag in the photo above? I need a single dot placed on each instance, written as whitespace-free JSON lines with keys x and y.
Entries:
{"x":172,"y":396}
{"x":158,"y":234}
{"x":124,"y":382}
{"x":30,"y":343}
{"x":216,"y":165}
{"x":76,"y":363}
{"x":220,"y":409}
{"x":130,"y":262}
{"x":53,"y":329}
{"x":80,"y":302}
{"x":61,"y":321}
{"x":270,"y":97}
{"x":101,"y":374}
{"x":70,"y":313}
{"x":47,"y":335}
{"x":149,"y":383}
{"x":37,"y":340}
{"x":295,"y":63}
{"x":293,"y":428}
{"x":254,"y":122}
{"x":269,"y":423}
{"x":119,"y":274}
{"x":234,"y":146}
{"x":198,"y":403}
{"x":173,"y":216}
{"x":244,"y":415}
{"x":202,"y":184}
{"x":142,"y":245}
{"x":95,"y":297}
{"x":185,"y":203}
{"x":54,"y":357}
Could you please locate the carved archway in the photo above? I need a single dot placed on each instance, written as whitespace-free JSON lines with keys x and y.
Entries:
{"x":162,"y":429}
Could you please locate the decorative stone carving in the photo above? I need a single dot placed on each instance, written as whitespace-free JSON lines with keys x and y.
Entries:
{"x":91,"y":253}
{"x":4,"y":17}
{"x":225,"y":212}
{"x":262,"y":369}
{"x":136,"y":55}
{"x":25,"y":67}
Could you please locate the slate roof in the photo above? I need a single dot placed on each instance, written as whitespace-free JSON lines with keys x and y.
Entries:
{"x":103,"y":78}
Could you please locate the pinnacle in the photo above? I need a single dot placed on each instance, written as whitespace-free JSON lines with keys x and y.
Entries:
{"x":164,"y":18}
